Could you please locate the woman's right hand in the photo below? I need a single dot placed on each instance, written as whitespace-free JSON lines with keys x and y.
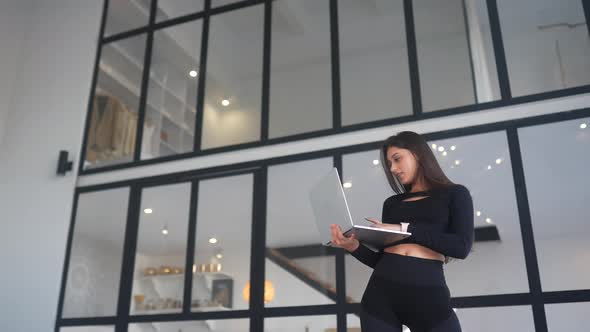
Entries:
{"x":339,"y":240}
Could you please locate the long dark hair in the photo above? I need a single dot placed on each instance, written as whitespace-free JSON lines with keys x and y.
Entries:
{"x":428,"y":167}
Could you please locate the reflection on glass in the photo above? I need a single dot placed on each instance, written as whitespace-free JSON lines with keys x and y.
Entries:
{"x":482,"y":163}
{"x":555,"y":159}
{"x":300,"y":277}
{"x":169,"y":125}
{"x":305,"y":323}
{"x":87,"y":329}
{"x":455,"y":54}
{"x":222,"y":247}
{"x":375,"y":81}
{"x":571,"y":317}
{"x":94,"y":271}
{"x":365,"y":199}
{"x":546,"y":43}
{"x":219,"y":325}
{"x":158,"y":279}
{"x":125,"y":15}
{"x":234,"y":78}
{"x":492,"y":319}
{"x":300,"y":78}
{"x":113,"y":118}
{"x":168,"y":9}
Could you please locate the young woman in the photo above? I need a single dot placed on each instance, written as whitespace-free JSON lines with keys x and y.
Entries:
{"x":408,"y":284}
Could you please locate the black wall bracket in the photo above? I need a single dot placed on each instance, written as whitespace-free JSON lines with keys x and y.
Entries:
{"x":63,"y":165}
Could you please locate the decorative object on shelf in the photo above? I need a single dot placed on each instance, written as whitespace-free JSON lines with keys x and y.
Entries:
{"x":177,"y":270}
{"x":139,"y":300}
{"x":222,"y":292}
{"x":164,"y":270}
{"x":150,"y":271}
{"x":269,"y":291}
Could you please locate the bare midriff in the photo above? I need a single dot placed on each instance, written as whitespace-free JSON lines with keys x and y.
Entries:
{"x":415,"y":250}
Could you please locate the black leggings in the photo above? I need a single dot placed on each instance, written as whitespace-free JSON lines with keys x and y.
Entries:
{"x":410,"y":291}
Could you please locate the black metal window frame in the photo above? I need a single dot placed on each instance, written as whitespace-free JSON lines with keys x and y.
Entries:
{"x":535,"y":298}
{"x":417,"y":113}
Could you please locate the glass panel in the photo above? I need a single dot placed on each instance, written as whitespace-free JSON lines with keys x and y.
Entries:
{"x":124,"y":15}
{"x":555,"y":159}
{"x":299,"y":277}
{"x":158,"y":279}
{"x":296,"y":324}
{"x":455,"y":54}
{"x":169,"y":125}
{"x":87,"y":329}
{"x":571,"y":317}
{"x":113,"y":119}
{"x":482,"y":163}
{"x":219,"y":325}
{"x":94,"y":273}
{"x":222,"y":254}
{"x":300,"y":80}
{"x":369,"y":189}
{"x":492,"y":319}
{"x":234,"y":78}
{"x":546,"y":43}
{"x":168,"y":9}
{"x":373,"y":61}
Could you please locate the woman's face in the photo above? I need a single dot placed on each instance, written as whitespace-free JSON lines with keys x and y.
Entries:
{"x":403,"y":164}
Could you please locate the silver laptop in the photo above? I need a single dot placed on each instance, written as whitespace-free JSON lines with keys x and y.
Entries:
{"x":330,"y":207}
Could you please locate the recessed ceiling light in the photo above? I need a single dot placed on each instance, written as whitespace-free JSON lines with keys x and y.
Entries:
{"x":225,"y":102}
{"x":347,"y":185}
{"x":193,"y":73}
{"x":488,"y":220}
{"x":499,"y":161}
{"x":434,"y":146}
{"x":444,"y":153}
{"x":489,"y":166}
{"x":583,"y":126}
{"x":478,"y":213}
{"x":375,"y":162}
{"x":219,"y":256}
{"x":457,"y":162}
{"x":441,"y":148}
{"x":148,"y":211}
{"x":212,"y":240}
{"x":453,"y":148}
{"x":165,"y":231}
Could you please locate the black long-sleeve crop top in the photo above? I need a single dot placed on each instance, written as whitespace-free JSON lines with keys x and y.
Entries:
{"x":443,"y":221}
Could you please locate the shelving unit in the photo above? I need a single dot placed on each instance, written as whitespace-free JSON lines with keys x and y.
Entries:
{"x":171,"y":97}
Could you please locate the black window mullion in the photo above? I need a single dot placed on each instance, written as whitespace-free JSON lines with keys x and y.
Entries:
{"x":258,"y":250}
{"x":105,"y":9}
{"x":266,"y":57}
{"x":202,"y":78}
{"x":499,"y":52}
{"x":340,"y":268}
{"x":190,"y":248}
{"x":413,"y":58}
{"x":335,"y":55}
{"x":586,"y":5}
{"x":64,"y":275}
{"x":526,"y":228}
{"x":128,"y":264}
{"x":145,"y":82}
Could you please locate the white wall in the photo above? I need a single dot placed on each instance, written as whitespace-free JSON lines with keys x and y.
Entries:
{"x":48,"y":96}
{"x":13,"y":23}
